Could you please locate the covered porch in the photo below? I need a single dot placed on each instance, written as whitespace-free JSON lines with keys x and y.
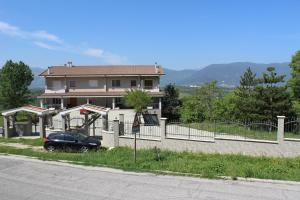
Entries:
{"x":9,"y":119}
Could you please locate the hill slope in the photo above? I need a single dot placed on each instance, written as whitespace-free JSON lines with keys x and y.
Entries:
{"x":226,"y":74}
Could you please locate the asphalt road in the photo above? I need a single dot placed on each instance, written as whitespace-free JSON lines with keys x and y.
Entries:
{"x":22,"y":178}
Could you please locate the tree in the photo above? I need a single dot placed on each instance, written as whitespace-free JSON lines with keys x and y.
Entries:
{"x":245,"y":97}
{"x":137,"y":99}
{"x":171,"y":102}
{"x":272,"y":98}
{"x":206,"y":95}
{"x":15,"y":79}
{"x":225,"y":108}
{"x":294,"y":82}
{"x":191,"y":110}
{"x":200,"y":106}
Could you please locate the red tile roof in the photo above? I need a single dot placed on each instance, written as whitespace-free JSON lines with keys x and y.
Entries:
{"x":103,"y":70}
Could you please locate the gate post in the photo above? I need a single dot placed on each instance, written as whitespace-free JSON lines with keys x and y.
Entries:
{"x":116,"y":133}
{"x":280,"y":129}
{"x":5,"y":126}
{"x":42,"y":126}
{"x":163,"y":128}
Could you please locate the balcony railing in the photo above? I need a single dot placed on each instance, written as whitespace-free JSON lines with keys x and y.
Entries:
{"x":55,"y":90}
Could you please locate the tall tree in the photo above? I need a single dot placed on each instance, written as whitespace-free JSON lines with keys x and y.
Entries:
{"x":245,"y":97}
{"x":171,"y":102}
{"x":15,"y":79}
{"x":272,"y":97}
{"x":294,"y":82}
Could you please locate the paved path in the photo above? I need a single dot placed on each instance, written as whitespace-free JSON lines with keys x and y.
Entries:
{"x":22,"y":178}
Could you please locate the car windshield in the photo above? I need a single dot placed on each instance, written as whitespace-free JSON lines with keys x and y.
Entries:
{"x":79,"y":136}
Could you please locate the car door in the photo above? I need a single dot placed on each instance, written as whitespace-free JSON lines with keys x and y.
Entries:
{"x":57,"y":140}
{"x":70,"y":142}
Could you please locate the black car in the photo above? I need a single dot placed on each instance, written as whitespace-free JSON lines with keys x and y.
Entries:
{"x":71,"y":142}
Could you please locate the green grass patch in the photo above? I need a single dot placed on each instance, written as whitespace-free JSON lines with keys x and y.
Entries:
{"x":33,"y":142}
{"x":198,"y":164}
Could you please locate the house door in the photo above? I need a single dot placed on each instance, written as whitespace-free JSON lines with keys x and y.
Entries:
{"x":73,"y":102}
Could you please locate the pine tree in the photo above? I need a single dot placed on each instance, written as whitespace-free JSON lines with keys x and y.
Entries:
{"x":272,"y":97}
{"x":245,"y":101}
{"x":171,"y":102}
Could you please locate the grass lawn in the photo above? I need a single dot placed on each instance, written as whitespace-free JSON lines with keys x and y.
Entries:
{"x":33,"y":142}
{"x":197,"y":164}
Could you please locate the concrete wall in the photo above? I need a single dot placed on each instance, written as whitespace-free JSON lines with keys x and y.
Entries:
{"x":280,"y":148}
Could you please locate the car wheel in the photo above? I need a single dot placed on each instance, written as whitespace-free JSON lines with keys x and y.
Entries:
{"x":50,"y":148}
{"x":84,"y":149}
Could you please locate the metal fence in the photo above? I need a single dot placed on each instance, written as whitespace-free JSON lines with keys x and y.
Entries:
{"x":209,"y":130}
{"x":190,"y":131}
{"x":246,"y":130}
{"x":292,"y":129}
{"x":146,"y":132}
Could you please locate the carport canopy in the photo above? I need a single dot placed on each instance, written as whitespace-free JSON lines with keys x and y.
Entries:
{"x":32,"y":109}
{"x":41,"y":112}
{"x":89,"y":107}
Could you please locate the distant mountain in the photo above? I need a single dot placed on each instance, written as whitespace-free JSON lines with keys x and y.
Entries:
{"x":227,"y":75}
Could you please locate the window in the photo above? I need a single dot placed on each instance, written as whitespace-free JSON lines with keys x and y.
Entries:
{"x":69,"y":138}
{"x":116,"y":83}
{"x":72,"y":84}
{"x":133,"y":83}
{"x":56,"y":101}
{"x":148,"y":84}
{"x":93,"y":83}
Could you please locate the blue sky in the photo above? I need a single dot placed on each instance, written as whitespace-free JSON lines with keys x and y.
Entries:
{"x":176,"y":34}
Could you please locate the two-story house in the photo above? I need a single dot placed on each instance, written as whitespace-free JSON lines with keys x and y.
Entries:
{"x":68,"y":85}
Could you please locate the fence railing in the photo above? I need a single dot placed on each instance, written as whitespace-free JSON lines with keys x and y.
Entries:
{"x":189,"y":131}
{"x":292,"y":129}
{"x":209,"y":130}
{"x":246,"y":131}
{"x":145,"y":132}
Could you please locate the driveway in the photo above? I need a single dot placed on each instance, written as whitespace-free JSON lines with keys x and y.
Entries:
{"x":23,"y":178}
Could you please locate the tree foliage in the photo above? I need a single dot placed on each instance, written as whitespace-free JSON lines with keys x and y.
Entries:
{"x":171,"y":102}
{"x":272,"y":98}
{"x":294,"y":81}
{"x":15,"y":79}
{"x":137,"y":99}
{"x":245,"y":97}
{"x":225,"y":108}
{"x":200,"y":106}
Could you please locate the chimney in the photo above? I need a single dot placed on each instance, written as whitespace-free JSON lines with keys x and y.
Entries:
{"x":70,"y":64}
{"x":48,"y":71}
{"x":156,"y":68}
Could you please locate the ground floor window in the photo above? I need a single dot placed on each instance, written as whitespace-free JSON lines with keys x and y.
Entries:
{"x":56,"y":101}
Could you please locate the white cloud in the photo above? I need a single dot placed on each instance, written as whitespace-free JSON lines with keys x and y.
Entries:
{"x":44,"y":45}
{"x":98,"y":53}
{"x":45,"y":40}
{"x":11,"y":30}
{"x":46,"y":36}
{"x":7,"y":27}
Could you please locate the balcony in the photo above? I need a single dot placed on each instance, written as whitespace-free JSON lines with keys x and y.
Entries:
{"x":55,"y":90}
